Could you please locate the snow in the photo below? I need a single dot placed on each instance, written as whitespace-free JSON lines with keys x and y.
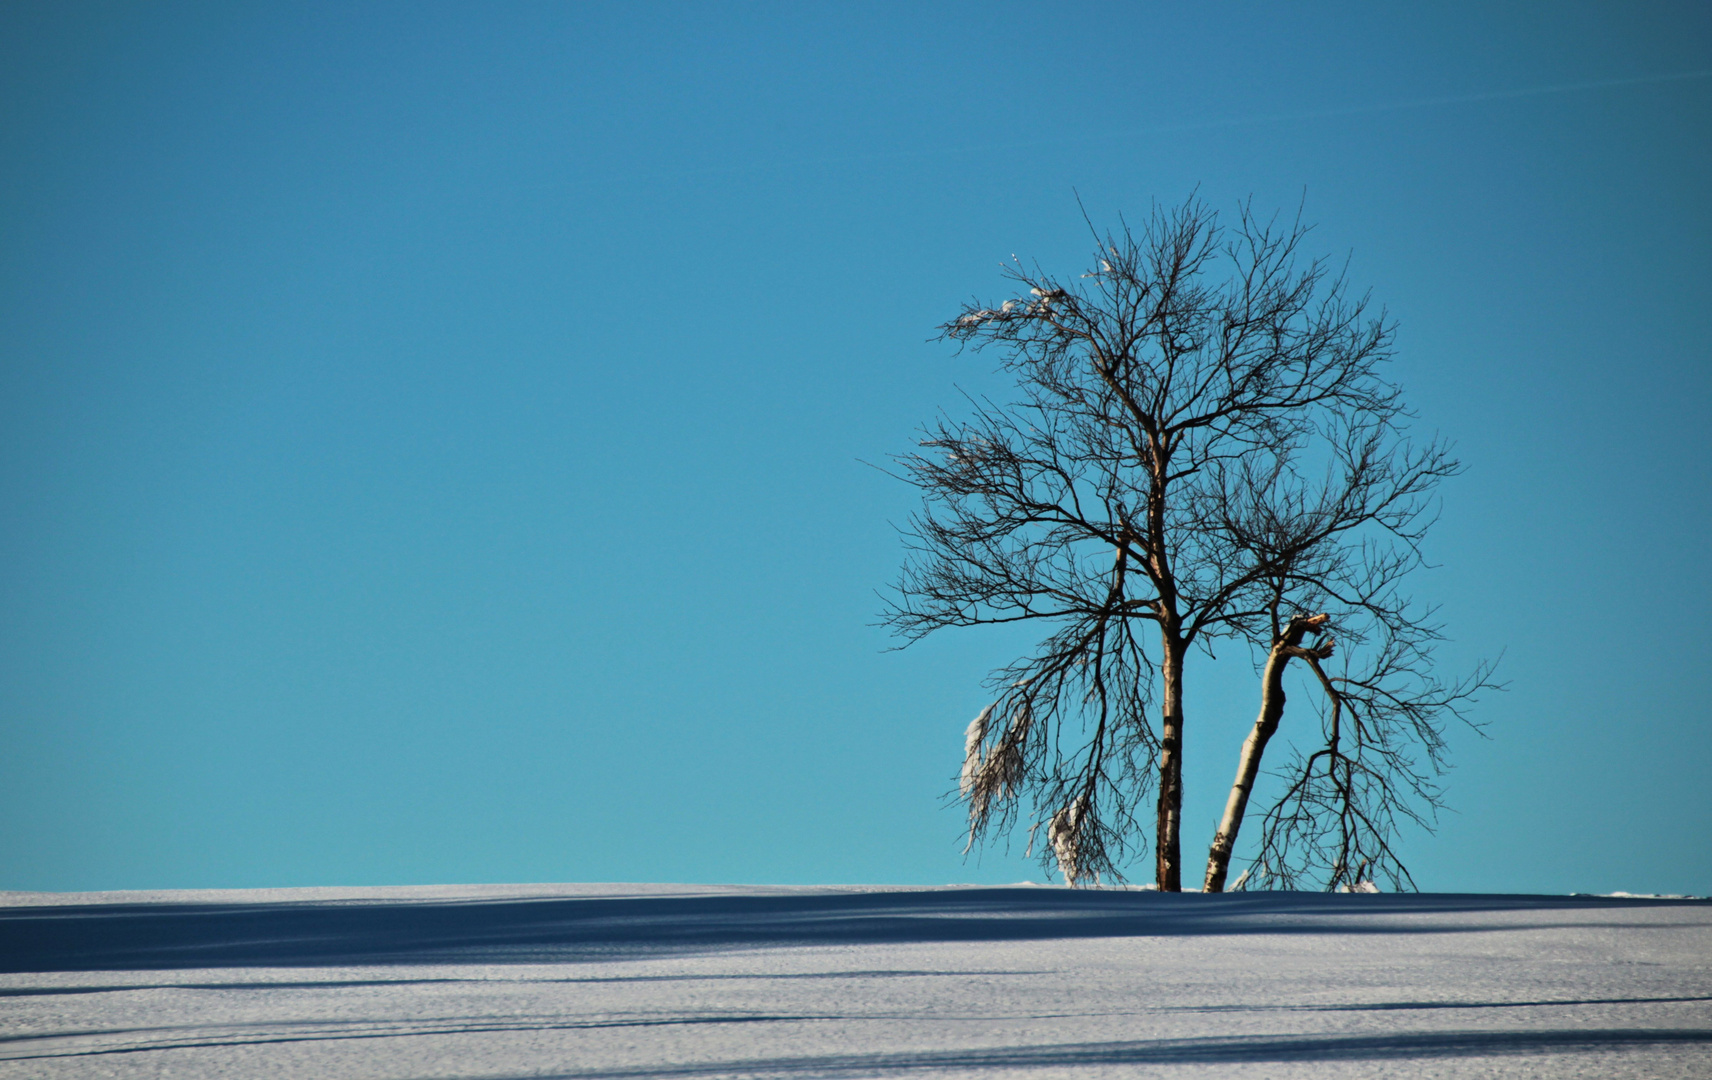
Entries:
{"x":698,"y":981}
{"x":973,"y":736}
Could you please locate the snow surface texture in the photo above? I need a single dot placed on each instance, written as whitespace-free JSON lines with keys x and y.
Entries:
{"x":667,"y":981}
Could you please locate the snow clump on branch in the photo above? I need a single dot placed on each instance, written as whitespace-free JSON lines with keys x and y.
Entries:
{"x":1065,"y":834}
{"x":990,"y":778}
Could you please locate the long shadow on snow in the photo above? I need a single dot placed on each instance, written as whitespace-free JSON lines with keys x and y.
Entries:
{"x":490,"y":983}
{"x":1235,"y":1050}
{"x":557,"y":930}
{"x":1216,"y":1050}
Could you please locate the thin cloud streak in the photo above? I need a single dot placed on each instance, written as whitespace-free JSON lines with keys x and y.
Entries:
{"x":1465,"y":99}
{"x":1169,"y":129}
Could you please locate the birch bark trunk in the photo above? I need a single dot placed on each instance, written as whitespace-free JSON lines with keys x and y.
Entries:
{"x":1168,"y":840}
{"x":1284,"y":649}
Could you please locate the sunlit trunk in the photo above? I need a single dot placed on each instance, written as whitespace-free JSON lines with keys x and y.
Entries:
{"x":1248,"y":765}
{"x":1167,"y":839}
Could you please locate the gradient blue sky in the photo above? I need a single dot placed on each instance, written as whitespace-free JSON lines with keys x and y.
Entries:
{"x":431,"y":435}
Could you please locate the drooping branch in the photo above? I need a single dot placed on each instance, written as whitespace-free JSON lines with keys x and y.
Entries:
{"x":1068,"y":734}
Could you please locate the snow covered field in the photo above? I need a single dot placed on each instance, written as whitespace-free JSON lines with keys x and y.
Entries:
{"x":677,"y":981}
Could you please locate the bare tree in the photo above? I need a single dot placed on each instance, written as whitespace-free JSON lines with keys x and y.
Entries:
{"x":1143,"y":494}
{"x":1341,"y":541}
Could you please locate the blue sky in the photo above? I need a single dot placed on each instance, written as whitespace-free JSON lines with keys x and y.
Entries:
{"x":432,"y":435}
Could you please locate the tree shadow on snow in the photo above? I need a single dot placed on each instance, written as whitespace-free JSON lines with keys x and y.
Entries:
{"x":558,"y":930}
{"x":1237,"y":1050}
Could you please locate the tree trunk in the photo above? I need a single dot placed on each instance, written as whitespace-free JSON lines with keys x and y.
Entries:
{"x":1248,"y":765}
{"x":1167,"y":838}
